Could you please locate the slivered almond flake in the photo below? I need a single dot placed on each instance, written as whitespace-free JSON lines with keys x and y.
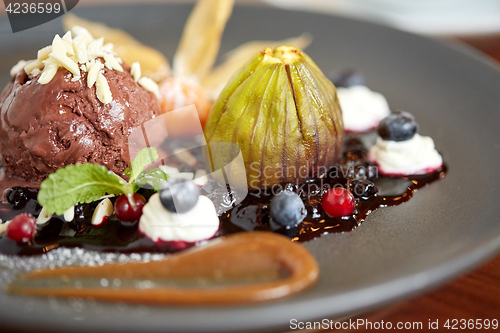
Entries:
{"x":95,"y":47}
{"x":30,"y":66}
{"x":69,"y":48}
{"x":44,"y":52}
{"x":111,"y":62}
{"x":82,"y":35}
{"x":67,"y":37}
{"x":182,"y":175}
{"x":43,"y":217}
{"x":104,"y":209}
{"x":92,"y":73}
{"x":66,"y":62}
{"x":77,"y":54}
{"x":47,"y":74}
{"x":35,"y":72}
{"x":169,"y":169}
{"x":17,"y":67}
{"x":200,"y":177}
{"x":3,"y":227}
{"x":108,"y":47}
{"x":69,"y":215}
{"x":80,"y":51}
{"x":58,"y":45}
{"x":150,"y":85}
{"x":135,"y":71}
{"x":102,"y":89}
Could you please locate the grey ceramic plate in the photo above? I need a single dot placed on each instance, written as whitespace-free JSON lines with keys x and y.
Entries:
{"x":445,"y":229}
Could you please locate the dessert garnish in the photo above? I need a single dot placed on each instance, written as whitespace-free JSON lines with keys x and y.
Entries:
{"x":82,"y":54}
{"x":22,"y":228}
{"x":284,"y":115}
{"x":178,"y":223}
{"x":102,"y":212}
{"x":338,"y":202}
{"x":362,"y":108}
{"x":287,"y":210}
{"x":86,"y":183}
{"x":400,"y":150}
{"x":179,"y":195}
{"x":399,"y":126}
{"x":129,"y":209}
{"x":238,"y":269}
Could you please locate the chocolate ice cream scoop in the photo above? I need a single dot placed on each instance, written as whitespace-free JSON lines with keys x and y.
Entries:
{"x":45,"y":127}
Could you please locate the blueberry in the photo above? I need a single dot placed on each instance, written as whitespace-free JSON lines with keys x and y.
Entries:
{"x":398,"y":126}
{"x":20,"y":196}
{"x":179,"y":195}
{"x":347,"y":78}
{"x":361,"y":188}
{"x":287,"y":210}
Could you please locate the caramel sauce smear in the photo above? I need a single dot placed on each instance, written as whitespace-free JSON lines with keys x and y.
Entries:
{"x":238,"y":269}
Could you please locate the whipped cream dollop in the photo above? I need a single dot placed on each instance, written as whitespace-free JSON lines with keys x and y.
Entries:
{"x":198,"y":224}
{"x":362,"y":108}
{"x":410,"y":157}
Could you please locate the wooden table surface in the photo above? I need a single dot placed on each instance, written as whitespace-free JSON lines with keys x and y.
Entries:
{"x":474,"y":295}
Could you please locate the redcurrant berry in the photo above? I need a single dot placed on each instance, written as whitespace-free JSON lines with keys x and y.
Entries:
{"x":125,"y":211}
{"x":338,"y":202}
{"x":22,"y":228}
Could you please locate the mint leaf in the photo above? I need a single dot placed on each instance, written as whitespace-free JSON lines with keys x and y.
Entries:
{"x":152,"y":179}
{"x":127,"y":172}
{"x":79,"y":183}
{"x":143,"y":158}
{"x":85,"y":183}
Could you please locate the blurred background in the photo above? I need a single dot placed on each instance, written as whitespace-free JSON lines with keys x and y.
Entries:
{"x":434,"y":17}
{"x":476,"y":22}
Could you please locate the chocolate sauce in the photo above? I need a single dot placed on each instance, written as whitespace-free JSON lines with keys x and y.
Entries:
{"x":253,"y":212}
{"x":250,"y":214}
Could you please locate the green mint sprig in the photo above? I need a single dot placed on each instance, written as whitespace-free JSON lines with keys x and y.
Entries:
{"x":85,"y":183}
{"x":152,"y":178}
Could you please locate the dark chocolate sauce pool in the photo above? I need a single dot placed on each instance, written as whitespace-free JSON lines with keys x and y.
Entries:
{"x":372,"y":191}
